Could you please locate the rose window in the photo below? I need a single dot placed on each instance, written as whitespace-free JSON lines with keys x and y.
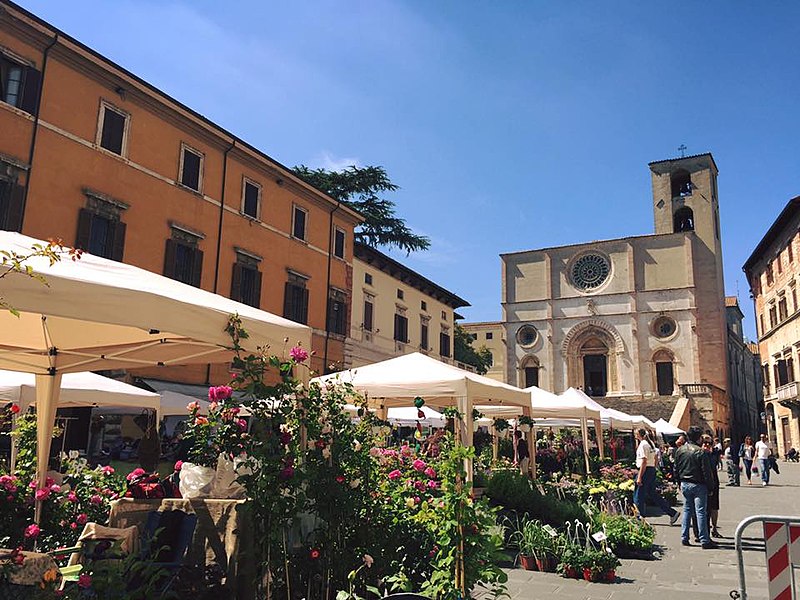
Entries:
{"x":590,"y":271}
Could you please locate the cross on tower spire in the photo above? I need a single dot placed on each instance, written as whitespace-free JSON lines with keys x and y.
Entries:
{"x":682,"y":150}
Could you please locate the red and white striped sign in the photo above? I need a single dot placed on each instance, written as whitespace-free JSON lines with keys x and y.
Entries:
{"x":779,"y":566}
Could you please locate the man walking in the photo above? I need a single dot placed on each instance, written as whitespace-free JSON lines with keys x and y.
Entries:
{"x":764,"y":452}
{"x":693,"y":471}
{"x":646,"y":479}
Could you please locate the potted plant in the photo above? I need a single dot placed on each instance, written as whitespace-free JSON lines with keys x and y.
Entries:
{"x":525,"y":423}
{"x":572,"y":560}
{"x":536,"y":546}
{"x":599,"y":565}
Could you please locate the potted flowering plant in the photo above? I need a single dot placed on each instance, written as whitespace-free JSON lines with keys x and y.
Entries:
{"x":219,"y":433}
{"x":599,"y":565}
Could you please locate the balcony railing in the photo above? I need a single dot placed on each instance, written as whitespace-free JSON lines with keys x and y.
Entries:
{"x":787,"y":391}
{"x":695,"y":389}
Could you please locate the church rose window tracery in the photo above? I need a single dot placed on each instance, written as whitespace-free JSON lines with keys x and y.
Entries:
{"x":590,"y":271}
{"x":526,"y":336}
{"x":664,"y":327}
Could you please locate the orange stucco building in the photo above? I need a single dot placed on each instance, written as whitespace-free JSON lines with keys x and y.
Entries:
{"x":94,"y":155}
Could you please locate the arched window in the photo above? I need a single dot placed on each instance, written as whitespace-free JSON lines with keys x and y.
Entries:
{"x":681,"y":183}
{"x":683,"y":220}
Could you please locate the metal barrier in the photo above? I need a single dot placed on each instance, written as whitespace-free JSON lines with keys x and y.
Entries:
{"x":782,"y":549}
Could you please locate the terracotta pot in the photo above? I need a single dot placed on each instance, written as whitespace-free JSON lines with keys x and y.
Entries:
{"x":546,"y":565}
{"x":528,"y":562}
{"x":610,"y":576}
{"x":571,"y":572}
{"x":590,"y":575}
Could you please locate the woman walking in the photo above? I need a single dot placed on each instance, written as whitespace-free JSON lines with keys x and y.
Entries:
{"x":713,"y":490}
{"x":747,"y":452}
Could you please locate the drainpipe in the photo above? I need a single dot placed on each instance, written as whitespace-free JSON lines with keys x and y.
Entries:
{"x":219,"y":231}
{"x":328,"y":288}
{"x":36,"y":127}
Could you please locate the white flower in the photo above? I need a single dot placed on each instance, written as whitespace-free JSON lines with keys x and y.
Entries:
{"x":368,"y":560}
{"x":73,"y":454}
{"x":355,"y":483}
{"x":326,"y":452}
{"x":356,"y":445}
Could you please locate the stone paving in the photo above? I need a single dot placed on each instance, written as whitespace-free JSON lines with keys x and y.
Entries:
{"x":685,"y":572}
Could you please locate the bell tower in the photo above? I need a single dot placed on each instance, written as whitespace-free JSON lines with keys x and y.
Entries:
{"x":685,"y":198}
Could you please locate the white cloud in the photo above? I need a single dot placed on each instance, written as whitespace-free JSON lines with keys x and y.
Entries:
{"x":326,"y":160}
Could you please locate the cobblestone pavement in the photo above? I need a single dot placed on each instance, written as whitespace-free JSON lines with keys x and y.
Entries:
{"x":685,"y":572}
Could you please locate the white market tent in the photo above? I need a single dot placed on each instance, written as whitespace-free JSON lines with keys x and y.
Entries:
{"x":407,"y":416}
{"x":546,"y":405}
{"x":77,"y":389}
{"x":663,"y":427}
{"x":97,"y":314}
{"x":397,"y":381}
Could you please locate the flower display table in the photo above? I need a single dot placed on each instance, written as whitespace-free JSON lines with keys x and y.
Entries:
{"x":221,"y":535}
{"x":30,"y":573}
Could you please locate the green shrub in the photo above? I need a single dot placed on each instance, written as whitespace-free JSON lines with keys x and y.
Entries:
{"x":514,"y":492}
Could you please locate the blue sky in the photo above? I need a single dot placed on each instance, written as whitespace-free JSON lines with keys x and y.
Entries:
{"x":508,"y":125}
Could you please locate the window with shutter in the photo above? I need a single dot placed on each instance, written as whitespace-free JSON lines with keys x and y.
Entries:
{"x":337,"y":312}
{"x":19,"y":84}
{"x":12,"y":205}
{"x":246,"y":284}
{"x":400,"y":328}
{"x":191,"y":168}
{"x":100,"y":235}
{"x":295,"y":299}
{"x":368,"y":308}
{"x":338,"y":243}
{"x":113,"y":123}
{"x":444,"y":344}
{"x":183,"y":259}
{"x":299,"y":223}
{"x":251,"y":199}
{"x":423,"y":336}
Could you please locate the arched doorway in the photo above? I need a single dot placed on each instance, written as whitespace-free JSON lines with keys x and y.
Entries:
{"x":664,"y":372}
{"x":593,"y":351}
{"x":529,"y":372}
{"x":594,"y":360}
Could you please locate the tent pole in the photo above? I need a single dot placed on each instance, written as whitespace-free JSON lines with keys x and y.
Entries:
{"x":598,"y":432}
{"x":495,"y":442}
{"x":465,"y":433}
{"x":585,"y":435}
{"x":48,"y":388}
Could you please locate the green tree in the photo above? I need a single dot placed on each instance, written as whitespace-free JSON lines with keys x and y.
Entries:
{"x":362,"y":189}
{"x":463,"y":351}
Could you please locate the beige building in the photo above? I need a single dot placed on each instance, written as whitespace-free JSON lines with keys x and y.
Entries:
{"x":397,"y":311}
{"x":773,"y":271}
{"x":491,"y":335}
{"x":745,"y":386}
{"x":637,"y":321}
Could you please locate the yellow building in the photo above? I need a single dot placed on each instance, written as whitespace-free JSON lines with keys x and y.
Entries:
{"x":491,"y":335}
{"x":773,"y":271}
{"x":397,"y":311}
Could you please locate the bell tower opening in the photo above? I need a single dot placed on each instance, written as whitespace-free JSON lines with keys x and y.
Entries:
{"x":681,"y":183}
{"x":683,"y":220}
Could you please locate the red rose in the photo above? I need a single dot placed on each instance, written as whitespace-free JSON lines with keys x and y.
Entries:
{"x":15,"y":408}
{"x":314,"y":554}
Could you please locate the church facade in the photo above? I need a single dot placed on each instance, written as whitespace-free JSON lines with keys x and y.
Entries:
{"x":638,"y":322}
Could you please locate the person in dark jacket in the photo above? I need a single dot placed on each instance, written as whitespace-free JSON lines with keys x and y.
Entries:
{"x":693,"y":471}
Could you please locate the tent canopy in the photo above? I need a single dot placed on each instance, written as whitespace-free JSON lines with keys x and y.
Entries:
{"x":77,"y":389}
{"x":610,"y":417}
{"x":399,"y":380}
{"x":100,"y":314}
{"x":95,"y":314}
{"x":406,"y":416}
{"x":664,"y":428}
{"x":546,"y":405}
